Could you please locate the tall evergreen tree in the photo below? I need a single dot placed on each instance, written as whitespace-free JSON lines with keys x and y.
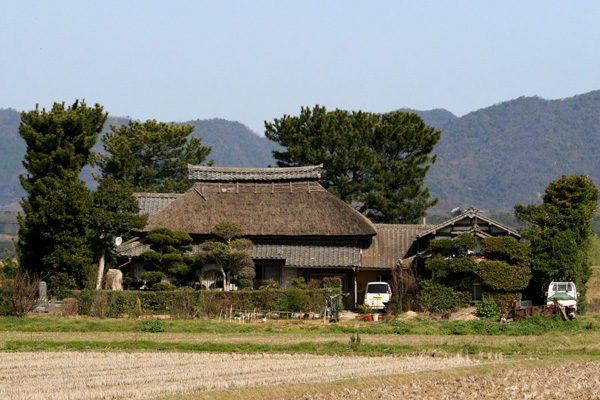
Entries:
{"x":152,"y":156}
{"x":375,"y":162}
{"x":560,"y":233}
{"x":53,"y":234}
{"x":114,"y":213}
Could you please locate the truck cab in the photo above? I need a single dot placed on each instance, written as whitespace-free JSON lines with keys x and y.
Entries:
{"x":566,"y":295}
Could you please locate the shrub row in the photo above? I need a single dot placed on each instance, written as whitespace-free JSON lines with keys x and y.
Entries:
{"x":186,"y":303}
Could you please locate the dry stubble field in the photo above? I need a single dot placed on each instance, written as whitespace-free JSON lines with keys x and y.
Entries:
{"x":141,"y":375}
{"x":538,"y":372}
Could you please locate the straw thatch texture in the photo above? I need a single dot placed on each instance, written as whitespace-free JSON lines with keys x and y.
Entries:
{"x":227,"y":174}
{"x":287,"y":209}
{"x":393,"y":243}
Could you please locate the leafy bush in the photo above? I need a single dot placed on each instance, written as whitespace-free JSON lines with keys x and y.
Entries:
{"x":507,"y":249}
{"x":60,"y":285}
{"x":488,"y":309}
{"x":505,"y":300}
{"x":332,"y":283}
{"x":269,"y":284}
{"x":436,"y":297}
{"x":244,"y":283}
{"x":394,"y":306}
{"x":296,"y":300}
{"x":153,"y":325}
{"x":364,"y":309}
{"x":163,"y":286}
{"x":499,"y":275}
{"x":152,"y":277}
{"x":299,"y":283}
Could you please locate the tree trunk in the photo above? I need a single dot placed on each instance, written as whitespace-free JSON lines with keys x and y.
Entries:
{"x":100,"y":272}
{"x":225,"y":285}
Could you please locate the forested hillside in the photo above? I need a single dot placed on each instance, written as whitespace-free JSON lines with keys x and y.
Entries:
{"x":491,"y":158}
{"x":508,"y":153}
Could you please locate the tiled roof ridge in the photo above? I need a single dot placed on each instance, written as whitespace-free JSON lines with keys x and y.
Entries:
{"x":140,"y":194}
{"x":228,"y":174}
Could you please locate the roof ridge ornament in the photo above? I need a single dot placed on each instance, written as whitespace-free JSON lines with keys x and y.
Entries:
{"x":232,"y":174}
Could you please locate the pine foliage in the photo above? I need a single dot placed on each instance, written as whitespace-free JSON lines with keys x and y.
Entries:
{"x":375,"y":162}
{"x":53,"y":234}
{"x":152,"y":156}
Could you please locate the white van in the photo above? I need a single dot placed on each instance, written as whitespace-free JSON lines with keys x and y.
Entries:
{"x":377,"y":294}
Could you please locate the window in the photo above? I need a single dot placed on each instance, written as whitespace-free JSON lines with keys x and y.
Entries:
{"x":477,"y":289}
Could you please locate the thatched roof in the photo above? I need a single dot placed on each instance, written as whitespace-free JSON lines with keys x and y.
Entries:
{"x":473,"y":222}
{"x":293,"y":208}
{"x":151,"y":203}
{"x":227,"y":174}
{"x":393,"y":243}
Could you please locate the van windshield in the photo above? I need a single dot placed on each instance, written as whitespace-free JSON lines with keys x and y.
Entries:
{"x":377,"y":288}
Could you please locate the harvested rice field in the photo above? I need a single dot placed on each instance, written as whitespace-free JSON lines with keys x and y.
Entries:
{"x":568,"y":381}
{"x":142,"y":375}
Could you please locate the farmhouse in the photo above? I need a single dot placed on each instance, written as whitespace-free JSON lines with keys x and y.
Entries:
{"x":298,"y":228}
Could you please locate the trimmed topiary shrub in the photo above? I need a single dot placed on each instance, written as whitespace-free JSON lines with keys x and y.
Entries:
{"x":507,"y":249}
{"x":163,"y":286}
{"x":498,"y":275}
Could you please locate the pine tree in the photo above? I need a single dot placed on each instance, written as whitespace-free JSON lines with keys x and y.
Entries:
{"x":152,"y":156}
{"x":375,"y":162}
{"x":228,"y":250}
{"x":54,"y":233}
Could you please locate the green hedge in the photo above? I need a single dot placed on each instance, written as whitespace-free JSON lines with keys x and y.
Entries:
{"x":188,"y":303}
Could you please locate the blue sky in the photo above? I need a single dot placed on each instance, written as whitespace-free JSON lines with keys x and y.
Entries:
{"x":252,"y":61}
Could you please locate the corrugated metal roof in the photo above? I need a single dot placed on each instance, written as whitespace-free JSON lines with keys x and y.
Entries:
{"x":228,"y":174}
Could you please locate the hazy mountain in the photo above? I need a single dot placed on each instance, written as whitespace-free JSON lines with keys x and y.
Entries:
{"x":437,"y":117}
{"x":508,"y":153}
{"x":233,"y":144}
{"x":491,"y":158}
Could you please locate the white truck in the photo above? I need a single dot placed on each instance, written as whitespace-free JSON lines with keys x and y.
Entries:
{"x":565,"y":294}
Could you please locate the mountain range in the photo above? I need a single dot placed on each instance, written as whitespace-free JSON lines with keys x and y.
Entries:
{"x":491,"y":158}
